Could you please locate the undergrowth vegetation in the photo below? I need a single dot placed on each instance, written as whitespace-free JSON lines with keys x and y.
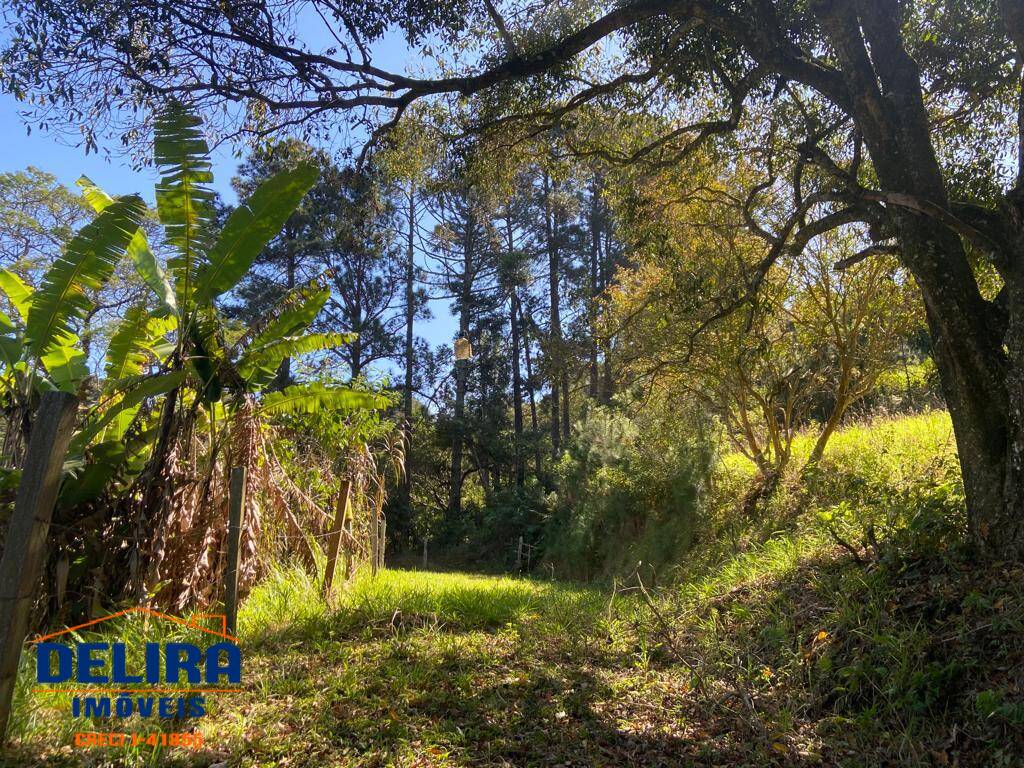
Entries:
{"x":841,"y":627}
{"x":629,"y":490}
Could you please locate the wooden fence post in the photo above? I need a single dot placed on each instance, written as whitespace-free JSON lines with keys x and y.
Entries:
{"x":334,"y":538}
{"x":237,"y":501}
{"x":424,"y":551}
{"x":374,"y":532}
{"x":349,"y":551}
{"x":25,"y":546}
{"x":519,"y":556}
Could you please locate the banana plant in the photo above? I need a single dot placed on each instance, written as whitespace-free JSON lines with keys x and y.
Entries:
{"x":202,"y":266}
{"x":176,"y":342}
{"x":39,"y":349}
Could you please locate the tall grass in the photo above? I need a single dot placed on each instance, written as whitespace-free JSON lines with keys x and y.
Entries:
{"x":288,"y":604}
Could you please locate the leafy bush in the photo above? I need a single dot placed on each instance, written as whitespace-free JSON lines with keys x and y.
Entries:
{"x":629,"y":493}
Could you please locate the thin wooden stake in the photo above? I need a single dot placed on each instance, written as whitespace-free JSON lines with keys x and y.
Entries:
{"x":374,"y":533}
{"x":349,"y":553}
{"x":25,"y":545}
{"x":334,"y":538}
{"x":237,"y":490}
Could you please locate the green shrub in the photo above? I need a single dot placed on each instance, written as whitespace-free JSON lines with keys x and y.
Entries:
{"x":629,"y":494}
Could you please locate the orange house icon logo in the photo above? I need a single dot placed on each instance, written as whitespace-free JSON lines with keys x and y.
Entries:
{"x":191,"y":623}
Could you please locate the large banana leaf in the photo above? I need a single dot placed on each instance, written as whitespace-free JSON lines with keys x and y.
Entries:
{"x":294,"y":314}
{"x":250,"y":227}
{"x":66,"y":364}
{"x":259,"y":364}
{"x":184,"y":202}
{"x":125,"y":356}
{"x":19,"y":294}
{"x":206,"y":356}
{"x":310,"y":398}
{"x":150,"y":387}
{"x":88,"y":480}
{"x":142,"y":257}
{"x":87,"y":262}
{"x":135,"y":342}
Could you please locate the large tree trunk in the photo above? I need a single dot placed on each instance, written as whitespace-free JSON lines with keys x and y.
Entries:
{"x":461,"y":371}
{"x":517,"y":383}
{"x":595,"y":257}
{"x":606,"y":268}
{"x":455,"y":488}
{"x":517,"y":393}
{"x":555,"y":322}
{"x":981,"y":382}
{"x":538,"y":460}
{"x":410,"y":318}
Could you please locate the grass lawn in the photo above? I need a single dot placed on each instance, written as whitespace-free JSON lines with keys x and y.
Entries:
{"x":783,"y":666}
{"x":408,"y":669}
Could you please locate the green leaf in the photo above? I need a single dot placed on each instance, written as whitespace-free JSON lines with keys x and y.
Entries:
{"x":66,"y":364}
{"x":9,"y":478}
{"x":206,"y":360}
{"x":87,"y":262}
{"x":259,"y":364}
{"x":138,"y":338}
{"x":250,"y":227}
{"x":11,"y":348}
{"x":125,"y":356}
{"x":142,"y":257}
{"x":310,"y":398}
{"x":106,"y":460}
{"x":184,"y":202}
{"x":152,"y":386}
{"x":293,"y":314}
{"x":19,"y":294}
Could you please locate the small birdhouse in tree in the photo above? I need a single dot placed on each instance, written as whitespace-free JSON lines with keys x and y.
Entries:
{"x":463,"y":349}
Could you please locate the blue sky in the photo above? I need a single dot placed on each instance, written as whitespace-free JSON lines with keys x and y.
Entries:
{"x":52,"y":153}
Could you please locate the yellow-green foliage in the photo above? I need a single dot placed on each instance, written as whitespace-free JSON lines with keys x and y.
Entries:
{"x":897,"y":441}
{"x":888,"y":475}
{"x":852,"y":608}
{"x":881,"y":474}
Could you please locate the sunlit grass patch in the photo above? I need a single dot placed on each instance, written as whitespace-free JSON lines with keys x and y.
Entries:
{"x":289,"y":603}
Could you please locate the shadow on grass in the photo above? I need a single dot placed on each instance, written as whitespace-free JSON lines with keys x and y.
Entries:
{"x":844,"y":665}
{"x":913,"y":660}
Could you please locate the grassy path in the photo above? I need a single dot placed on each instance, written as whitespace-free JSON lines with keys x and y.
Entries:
{"x":420,"y":669}
{"x":450,"y":669}
{"x":806,"y":659}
